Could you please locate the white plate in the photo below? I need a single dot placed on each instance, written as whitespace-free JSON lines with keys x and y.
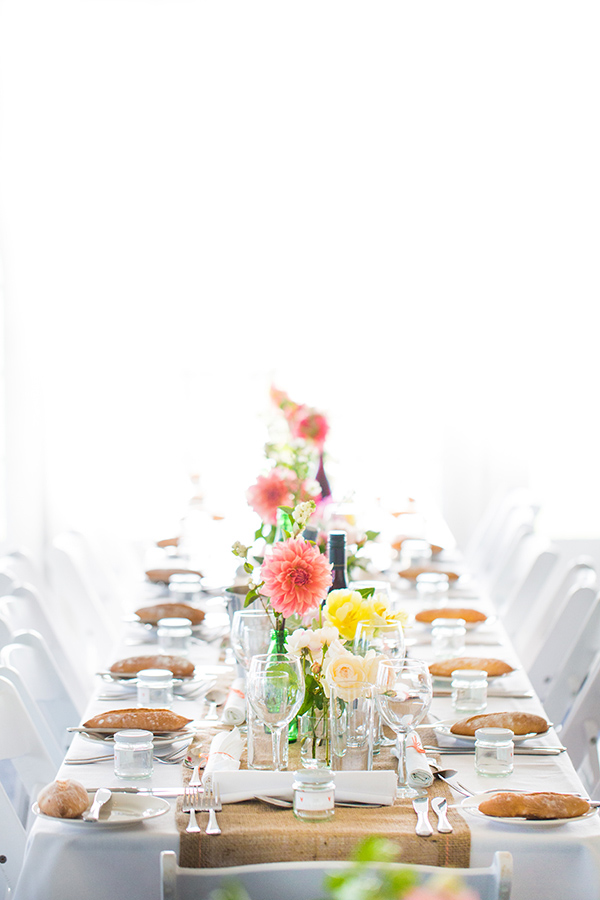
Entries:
{"x":447,"y":679}
{"x":443,"y":728}
{"x":160,"y":740}
{"x":471,"y":804}
{"x":469,"y":626}
{"x":121,"y":809}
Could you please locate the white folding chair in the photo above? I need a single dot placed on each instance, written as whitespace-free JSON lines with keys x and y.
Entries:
{"x":528,"y":587}
{"x":94,"y":571}
{"x":581,"y":731}
{"x":27,"y":765}
{"x":12,"y":846}
{"x":304,"y":881}
{"x":509,"y":564}
{"x":497,"y":525}
{"x":7,"y":582}
{"x":24,"y":610}
{"x":83,"y":618}
{"x":45,"y":733}
{"x":569,"y":675}
{"x":563,"y":636}
{"x":29,"y":656}
{"x":531,"y":633}
{"x":23,"y":568}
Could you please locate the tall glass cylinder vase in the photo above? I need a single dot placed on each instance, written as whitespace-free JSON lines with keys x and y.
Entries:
{"x":351,"y":726}
{"x":313,"y":733}
{"x":277,"y":646}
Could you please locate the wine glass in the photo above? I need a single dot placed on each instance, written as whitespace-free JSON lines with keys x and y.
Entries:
{"x":250,"y":634}
{"x":388,"y":641}
{"x":404,"y":693}
{"x":275,"y":690}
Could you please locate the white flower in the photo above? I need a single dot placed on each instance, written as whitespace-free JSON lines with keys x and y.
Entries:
{"x":319,"y":637}
{"x":240,"y":549}
{"x":303,"y":512}
{"x":297,"y":641}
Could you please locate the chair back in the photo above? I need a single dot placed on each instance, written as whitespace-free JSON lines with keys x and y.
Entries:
{"x":534,"y":579}
{"x":24,"y":610}
{"x":12,"y":846}
{"x":44,"y":731}
{"x":504,"y":514}
{"x":21,"y":745}
{"x":28,"y":655}
{"x":304,"y":880}
{"x":581,"y":731}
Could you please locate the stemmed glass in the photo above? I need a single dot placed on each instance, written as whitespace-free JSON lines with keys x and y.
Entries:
{"x":387,"y":640}
{"x":404,"y":693}
{"x":275,"y":690}
{"x":250,"y":634}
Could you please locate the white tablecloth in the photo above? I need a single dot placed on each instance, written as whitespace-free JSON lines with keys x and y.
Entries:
{"x":66,"y":862}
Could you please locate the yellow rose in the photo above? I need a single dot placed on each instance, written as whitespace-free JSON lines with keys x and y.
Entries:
{"x":346,"y":675}
{"x":380,"y":612}
{"x":345,"y":609}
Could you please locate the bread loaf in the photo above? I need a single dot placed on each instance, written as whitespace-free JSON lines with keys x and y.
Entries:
{"x":168,"y":542}
{"x":151,"y":614}
{"x":155,"y":720}
{"x":64,"y":799}
{"x":446,"y":667}
{"x":450,"y":612}
{"x":538,"y":805}
{"x":518,"y":722}
{"x":412,"y":572}
{"x":178,"y":665}
{"x":163,"y":576}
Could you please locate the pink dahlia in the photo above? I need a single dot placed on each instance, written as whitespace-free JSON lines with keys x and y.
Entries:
{"x":309,"y":425}
{"x":296,"y":577}
{"x":269,"y":492}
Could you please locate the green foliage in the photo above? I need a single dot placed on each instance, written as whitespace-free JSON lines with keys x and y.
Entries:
{"x":365,"y":880}
{"x":314,"y":698}
{"x":365,"y":593}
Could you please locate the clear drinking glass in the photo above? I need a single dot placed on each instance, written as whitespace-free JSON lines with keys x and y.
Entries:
{"x":250,"y":634}
{"x":351,"y":727}
{"x":404,"y":693}
{"x":275,"y":690}
{"x":387,"y":640}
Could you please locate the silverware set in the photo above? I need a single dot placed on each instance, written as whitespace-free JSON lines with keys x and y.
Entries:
{"x":171,"y":758}
{"x":195,"y":799}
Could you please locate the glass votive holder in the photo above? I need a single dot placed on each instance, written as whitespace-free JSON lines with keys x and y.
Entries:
{"x":469,"y":691}
{"x":448,"y":637}
{"x":174,"y":636}
{"x":133,"y":753}
{"x":494,"y":751}
{"x":433,"y":587}
{"x":314,"y":795}
{"x":415,"y":551}
{"x":185,"y":588}
{"x":155,"y":688}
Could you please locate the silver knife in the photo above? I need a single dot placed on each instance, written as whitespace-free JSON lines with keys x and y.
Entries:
{"x":440,"y":806}
{"x":521,"y":695}
{"x":519,"y":751}
{"x":156,"y":792}
{"x":420,"y":806}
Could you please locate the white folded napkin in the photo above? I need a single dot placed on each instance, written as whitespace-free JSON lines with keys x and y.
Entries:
{"x":234,"y":712}
{"x":418,"y":773}
{"x":224,"y":754}
{"x":358,"y":787}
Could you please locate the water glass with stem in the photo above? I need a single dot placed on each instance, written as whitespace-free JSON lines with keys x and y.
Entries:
{"x":404,"y":693}
{"x":275,"y":690}
{"x":387,"y":640}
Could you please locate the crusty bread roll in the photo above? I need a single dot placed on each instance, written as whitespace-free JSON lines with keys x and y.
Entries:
{"x":518,"y":722}
{"x":156,"y":720}
{"x":450,"y":612}
{"x":64,"y":799}
{"x":163,"y":576}
{"x":446,"y":667}
{"x":151,"y":614}
{"x":412,"y":572}
{"x":178,"y":665}
{"x":538,"y":805}
{"x":168,"y":542}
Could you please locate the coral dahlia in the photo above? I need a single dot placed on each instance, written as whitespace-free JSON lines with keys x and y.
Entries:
{"x":296,"y":577}
{"x":269,"y":492}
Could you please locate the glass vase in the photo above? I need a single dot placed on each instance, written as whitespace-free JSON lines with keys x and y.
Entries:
{"x":313,"y":732}
{"x":277,"y":645}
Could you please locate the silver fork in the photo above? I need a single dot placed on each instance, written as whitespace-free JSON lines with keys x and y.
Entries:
{"x":193,"y":799}
{"x":212,"y":801}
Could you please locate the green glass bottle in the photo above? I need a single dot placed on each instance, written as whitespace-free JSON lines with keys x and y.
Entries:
{"x":277,"y":645}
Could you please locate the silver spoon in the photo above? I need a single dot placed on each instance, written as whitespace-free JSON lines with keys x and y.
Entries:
{"x":445,"y":775}
{"x":101,"y":797}
{"x":215,"y":699}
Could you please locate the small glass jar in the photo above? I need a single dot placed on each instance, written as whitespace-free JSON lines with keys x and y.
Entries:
{"x":155,"y":688}
{"x":469,"y":691}
{"x":185,"y":587}
{"x":133,"y":753}
{"x":494,"y":751}
{"x":314,"y":795}
{"x":174,"y":636}
{"x":448,"y":637}
{"x":433,"y":587}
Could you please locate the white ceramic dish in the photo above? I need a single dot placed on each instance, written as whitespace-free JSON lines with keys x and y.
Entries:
{"x":471,"y":805}
{"x":443,"y":728}
{"x":121,"y":809}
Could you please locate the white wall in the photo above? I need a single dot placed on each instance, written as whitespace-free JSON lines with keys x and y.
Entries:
{"x":390,"y":207}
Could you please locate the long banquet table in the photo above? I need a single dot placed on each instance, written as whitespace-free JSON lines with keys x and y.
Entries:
{"x":64,"y":861}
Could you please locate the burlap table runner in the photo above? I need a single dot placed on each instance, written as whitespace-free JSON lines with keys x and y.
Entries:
{"x":253,"y":832}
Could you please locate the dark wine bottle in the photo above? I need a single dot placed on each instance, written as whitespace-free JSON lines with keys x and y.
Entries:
{"x":336,"y":546}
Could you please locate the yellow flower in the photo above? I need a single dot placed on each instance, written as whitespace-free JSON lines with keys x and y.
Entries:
{"x":345,"y":609}
{"x":346,"y":675}
{"x":381,"y":614}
